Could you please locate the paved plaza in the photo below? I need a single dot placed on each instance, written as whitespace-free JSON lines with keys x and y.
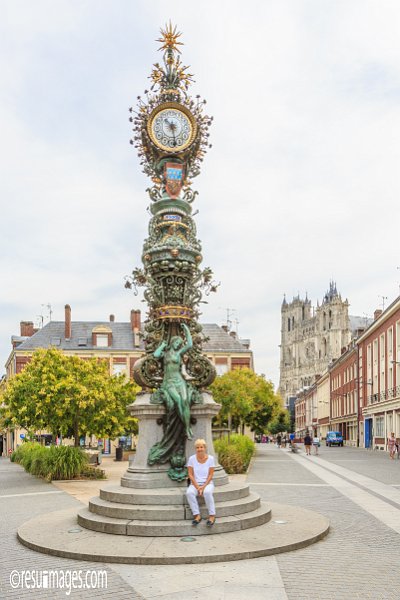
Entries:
{"x":358,"y":490}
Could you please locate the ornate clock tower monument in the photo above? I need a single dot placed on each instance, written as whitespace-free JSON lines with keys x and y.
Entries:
{"x":143,"y":519}
{"x":171,"y":137}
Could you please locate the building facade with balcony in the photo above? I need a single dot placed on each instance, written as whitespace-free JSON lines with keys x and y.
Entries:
{"x":343,"y":376}
{"x":379,"y":378}
{"x":306,"y":412}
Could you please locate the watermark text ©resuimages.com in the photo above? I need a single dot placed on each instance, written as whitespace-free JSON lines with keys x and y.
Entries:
{"x":61,"y":579}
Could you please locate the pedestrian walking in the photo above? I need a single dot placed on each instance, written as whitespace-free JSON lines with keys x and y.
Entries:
{"x":278,"y":440}
{"x":307,"y":443}
{"x":316,"y":444}
{"x":391,"y":445}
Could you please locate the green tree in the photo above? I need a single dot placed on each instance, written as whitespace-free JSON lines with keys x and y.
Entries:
{"x":281,"y":422}
{"x":246,"y":398}
{"x":66,"y":394}
{"x":266,"y":406}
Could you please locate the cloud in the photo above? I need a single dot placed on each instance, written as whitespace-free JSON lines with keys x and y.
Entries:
{"x":300,"y":186}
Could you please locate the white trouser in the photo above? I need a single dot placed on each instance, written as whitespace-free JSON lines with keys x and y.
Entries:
{"x":192,"y":493}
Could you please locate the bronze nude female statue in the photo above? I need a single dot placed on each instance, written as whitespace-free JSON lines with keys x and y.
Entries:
{"x":177,"y":395}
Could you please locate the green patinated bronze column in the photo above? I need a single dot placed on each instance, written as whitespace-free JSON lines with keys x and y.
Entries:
{"x":171,"y":136}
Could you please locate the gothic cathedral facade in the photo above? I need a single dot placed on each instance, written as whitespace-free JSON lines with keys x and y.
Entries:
{"x":311,"y":338}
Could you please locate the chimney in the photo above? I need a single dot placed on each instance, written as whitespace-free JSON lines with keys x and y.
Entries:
{"x":26,"y":328}
{"x":135,"y":320}
{"x":68,"y":326}
{"x":377,"y":314}
{"x":136,"y":326}
{"x":112,"y":318}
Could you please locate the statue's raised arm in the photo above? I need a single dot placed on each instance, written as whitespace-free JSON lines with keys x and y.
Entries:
{"x":189,"y":341}
{"x":159,"y":352}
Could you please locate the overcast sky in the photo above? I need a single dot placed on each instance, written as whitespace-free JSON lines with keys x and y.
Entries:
{"x":301,"y":185}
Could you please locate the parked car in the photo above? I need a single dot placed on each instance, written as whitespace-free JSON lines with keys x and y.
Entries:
{"x":334,"y":438}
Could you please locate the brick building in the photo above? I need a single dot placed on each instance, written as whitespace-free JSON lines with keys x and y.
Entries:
{"x":344,"y":396}
{"x":379,"y":378}
{"x":359,"y":393}
{"x":118,"y":342}
{"x":312,"y":408}
{"x":300,"y":415}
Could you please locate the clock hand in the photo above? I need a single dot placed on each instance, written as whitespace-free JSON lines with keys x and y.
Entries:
{"x":172,"y":127}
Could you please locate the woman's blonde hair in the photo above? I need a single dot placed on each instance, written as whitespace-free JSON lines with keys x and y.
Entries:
{"x":200,"y":442}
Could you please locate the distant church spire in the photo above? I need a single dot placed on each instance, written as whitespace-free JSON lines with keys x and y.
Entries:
{"x":332,"y":293}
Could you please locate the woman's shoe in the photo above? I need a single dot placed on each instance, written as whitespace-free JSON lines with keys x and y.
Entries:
{"x":210,"y":523}
{"x":196,"y":521}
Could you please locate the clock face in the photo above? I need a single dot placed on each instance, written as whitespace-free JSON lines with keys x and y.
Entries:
{"x":171,"y":129}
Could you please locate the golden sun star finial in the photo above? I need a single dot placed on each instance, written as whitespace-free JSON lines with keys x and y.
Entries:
{"x":169,"y":38}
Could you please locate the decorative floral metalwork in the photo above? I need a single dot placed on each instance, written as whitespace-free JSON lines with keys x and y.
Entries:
{"x":173,"y":282}
{"x":170,"y":83}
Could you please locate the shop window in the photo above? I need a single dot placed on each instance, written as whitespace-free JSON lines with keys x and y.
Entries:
{"x":379,"y":427}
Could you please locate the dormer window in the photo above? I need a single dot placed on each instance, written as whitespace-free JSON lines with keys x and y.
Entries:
{"x":102,"y":340}
{"x":102,"y":336}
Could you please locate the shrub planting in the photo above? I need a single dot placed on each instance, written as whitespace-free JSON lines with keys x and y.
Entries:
{"x":51,"y":463}
{"x":234,"y":454}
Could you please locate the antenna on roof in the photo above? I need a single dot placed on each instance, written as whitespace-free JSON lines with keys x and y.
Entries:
{"x":236,"y":321}
{"x":49,"y":308}
{"x":383,"y":301}
{"x":229,"y":314}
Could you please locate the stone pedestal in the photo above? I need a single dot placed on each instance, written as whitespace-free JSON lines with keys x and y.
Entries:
{"x":139,"y":473}
{"x":149,"y":504}
{"x":144,"y":519}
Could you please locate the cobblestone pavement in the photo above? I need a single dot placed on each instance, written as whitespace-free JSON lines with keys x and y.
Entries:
{"x":358,"y":559}
{"x":372,"y":463}
{"x":21,"y":498}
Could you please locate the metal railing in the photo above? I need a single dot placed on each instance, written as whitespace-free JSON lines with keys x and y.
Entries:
{"x":389,"y":394}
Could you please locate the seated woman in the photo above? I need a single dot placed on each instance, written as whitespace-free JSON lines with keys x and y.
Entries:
{"x":201,"y":471}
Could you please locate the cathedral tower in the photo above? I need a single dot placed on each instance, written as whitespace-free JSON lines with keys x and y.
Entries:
{"x":311,"y":338}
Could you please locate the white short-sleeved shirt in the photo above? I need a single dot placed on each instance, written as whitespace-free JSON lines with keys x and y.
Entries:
{"x":201,"y":469}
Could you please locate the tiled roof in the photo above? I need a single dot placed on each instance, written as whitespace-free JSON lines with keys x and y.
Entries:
{"x":220,"y":340}
{"x":53,"y":334}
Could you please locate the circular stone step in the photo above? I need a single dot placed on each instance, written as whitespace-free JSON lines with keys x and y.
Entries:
{"x":182,"y":527}
{"x":175,"y":496}
{"x":142,"y":512}
{"x":289,"y":529}
{"x":170,"y":512}
{"x":142,"y":479}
